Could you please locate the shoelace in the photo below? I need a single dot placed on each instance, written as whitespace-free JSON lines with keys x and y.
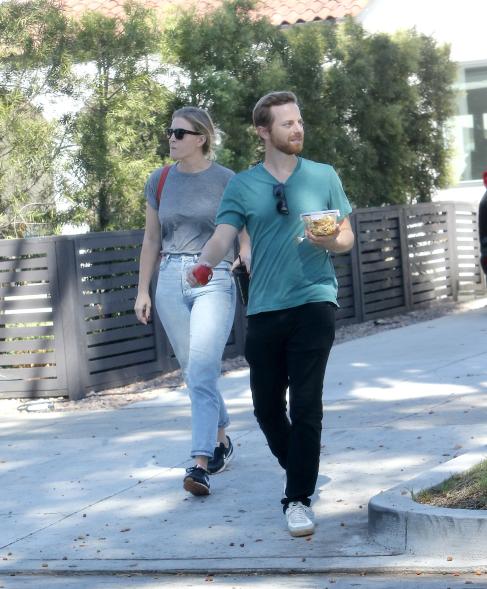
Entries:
{"x":192,"y":469}
{"x":298,"y":513}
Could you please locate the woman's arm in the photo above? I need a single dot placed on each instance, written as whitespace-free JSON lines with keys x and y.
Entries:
{"x":149,"y":256}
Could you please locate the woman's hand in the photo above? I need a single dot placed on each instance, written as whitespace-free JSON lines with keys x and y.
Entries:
{"x":142,"y":307}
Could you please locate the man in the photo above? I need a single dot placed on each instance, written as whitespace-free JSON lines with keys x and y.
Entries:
{"x":293,"y":288}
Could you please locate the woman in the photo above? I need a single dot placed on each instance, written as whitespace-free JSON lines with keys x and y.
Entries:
{"x":197,"y":320}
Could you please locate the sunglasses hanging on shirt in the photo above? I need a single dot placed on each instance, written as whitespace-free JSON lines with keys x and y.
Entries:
{"x":278,"y":192}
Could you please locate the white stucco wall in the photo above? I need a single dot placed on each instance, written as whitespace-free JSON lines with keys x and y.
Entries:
{"x":462,"y":25}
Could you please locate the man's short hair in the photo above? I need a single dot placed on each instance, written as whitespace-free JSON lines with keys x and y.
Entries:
{"x":262,"y":115}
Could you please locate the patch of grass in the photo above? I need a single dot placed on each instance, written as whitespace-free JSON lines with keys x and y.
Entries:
{"x":463,"y":491}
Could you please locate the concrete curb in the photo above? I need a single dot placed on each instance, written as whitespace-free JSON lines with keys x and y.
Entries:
{"x":376,"y":565}
{"x":399,"y":523}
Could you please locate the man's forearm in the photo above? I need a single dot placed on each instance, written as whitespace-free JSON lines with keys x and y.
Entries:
{"x":219,"y":244}
{"x":344,"y":242}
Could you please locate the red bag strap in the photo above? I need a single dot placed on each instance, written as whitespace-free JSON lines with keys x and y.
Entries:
{"x":160,"y":186}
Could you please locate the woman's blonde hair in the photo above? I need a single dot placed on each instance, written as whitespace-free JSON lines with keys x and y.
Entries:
{"x":202,"y":123}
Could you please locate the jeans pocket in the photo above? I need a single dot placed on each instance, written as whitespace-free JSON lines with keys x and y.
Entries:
{"x":164,"y":262}
{"x":222,"y":278}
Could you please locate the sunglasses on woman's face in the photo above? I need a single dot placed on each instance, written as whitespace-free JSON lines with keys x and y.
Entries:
{"x":180,"y":133}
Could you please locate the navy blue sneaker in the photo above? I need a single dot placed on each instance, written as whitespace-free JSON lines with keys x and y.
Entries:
{"x":221,"y":457}
{"x":197,"y":480}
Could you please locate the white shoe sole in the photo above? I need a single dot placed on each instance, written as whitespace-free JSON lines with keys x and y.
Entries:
{"x":225,"y":464}
{"x":302,"y":532}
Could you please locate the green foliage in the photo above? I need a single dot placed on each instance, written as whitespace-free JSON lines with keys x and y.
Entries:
{"x":33,"y":61}
{"x":228,"y":59}
{"x":117,"y":150}
{"x":432,"y":76}
{"x":117,"y":132}
{"x":34,"y":40}
{"x":26,"y":148}
{"x":375,"y":106}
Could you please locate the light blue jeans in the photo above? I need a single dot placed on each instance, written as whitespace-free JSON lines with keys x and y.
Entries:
{"x":197,"y":322}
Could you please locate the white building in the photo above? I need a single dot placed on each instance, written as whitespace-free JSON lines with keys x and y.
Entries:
{"x":463,"y":26}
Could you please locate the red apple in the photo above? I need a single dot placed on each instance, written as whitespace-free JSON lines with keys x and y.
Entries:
{"x":202,"y":274}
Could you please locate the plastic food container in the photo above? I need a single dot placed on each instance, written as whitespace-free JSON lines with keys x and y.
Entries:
{"x":321,"y":222}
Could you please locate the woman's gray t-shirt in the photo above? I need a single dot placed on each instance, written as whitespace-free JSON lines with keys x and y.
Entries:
{"x":188,"y":207}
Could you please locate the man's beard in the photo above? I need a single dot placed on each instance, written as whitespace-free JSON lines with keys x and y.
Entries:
{"x":286,"y":146}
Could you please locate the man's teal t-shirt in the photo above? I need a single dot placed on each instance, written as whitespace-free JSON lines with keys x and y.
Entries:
{"x":285,"y":272}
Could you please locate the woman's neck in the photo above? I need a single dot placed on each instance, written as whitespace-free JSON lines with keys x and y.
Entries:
{"x":193,"y":164}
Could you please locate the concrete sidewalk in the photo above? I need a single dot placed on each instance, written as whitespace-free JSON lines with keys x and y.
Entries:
{"x":100,"y":492}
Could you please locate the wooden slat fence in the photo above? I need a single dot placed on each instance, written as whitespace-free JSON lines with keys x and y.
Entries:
{"x":469,"y":272}
{"x":115,"y":345}
{"x":67,"y":324}
{"x":431,"y":253}
{"x":382,"y":259}
{"x":32,"y":359}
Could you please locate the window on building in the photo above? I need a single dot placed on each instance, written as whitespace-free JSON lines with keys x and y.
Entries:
{"x":470,"y":126}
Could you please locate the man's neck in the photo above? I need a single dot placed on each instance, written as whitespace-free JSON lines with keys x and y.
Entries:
{"x":279,"y":164}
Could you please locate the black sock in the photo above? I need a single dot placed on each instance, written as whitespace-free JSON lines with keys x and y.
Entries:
{"x":286,"y":501}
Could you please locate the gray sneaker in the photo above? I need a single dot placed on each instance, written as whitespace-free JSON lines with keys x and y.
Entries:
{"x":300,"y":519}
{"x":221,"y":457}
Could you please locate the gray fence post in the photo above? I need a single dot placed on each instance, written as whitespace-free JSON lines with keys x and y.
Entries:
{"x":452,"y":248}
{"x":406,"y":265}
{"x":71,"y":315}
{"x":356,"y":274}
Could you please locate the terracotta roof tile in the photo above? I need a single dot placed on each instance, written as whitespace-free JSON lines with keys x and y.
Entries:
{"x":278,"y":11}
{"x":340,"y":12}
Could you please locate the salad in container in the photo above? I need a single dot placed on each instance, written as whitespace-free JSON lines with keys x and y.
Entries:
{"x":321,"y":223}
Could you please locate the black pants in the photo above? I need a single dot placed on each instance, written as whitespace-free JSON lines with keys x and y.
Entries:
{"x":290,"y":348}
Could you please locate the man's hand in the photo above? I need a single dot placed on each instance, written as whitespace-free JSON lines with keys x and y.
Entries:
{"x":143,"y":307}
{"x":340,"y":241}
{"x":214,"y":251}
{"x":325,"y":242}
{"x":199,"y":274}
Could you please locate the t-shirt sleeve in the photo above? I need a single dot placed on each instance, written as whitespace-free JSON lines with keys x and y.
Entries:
{"x":229,"y":174}
{"x":150,"y":188}
{"x":231,"y":210}
{"x":338,"y":198}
